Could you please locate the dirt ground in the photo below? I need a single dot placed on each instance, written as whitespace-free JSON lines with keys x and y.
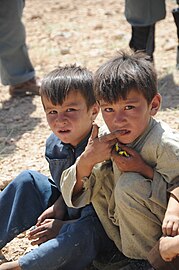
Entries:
{"x":83,"y":32}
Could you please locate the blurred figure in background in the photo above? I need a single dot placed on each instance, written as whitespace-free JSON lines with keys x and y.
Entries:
{"x":175,"y":13}
{"x":142,"y":16}
{"x":16,"y":69}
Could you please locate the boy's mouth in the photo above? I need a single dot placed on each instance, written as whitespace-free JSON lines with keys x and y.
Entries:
{"x":63,"y":131}
{"x":121,"y":132}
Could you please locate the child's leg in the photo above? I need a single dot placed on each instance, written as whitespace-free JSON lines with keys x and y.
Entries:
{"x":139,"y":218}
{"x":21,"y":202}
{"x":75,"y":247}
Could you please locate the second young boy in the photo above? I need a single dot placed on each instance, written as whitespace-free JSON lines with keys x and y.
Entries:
{"x":129,"y":188}
{"x":67,"y":238}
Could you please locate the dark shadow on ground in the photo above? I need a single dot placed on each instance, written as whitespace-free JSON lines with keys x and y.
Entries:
{"x":15,"y":120}
{"x":169,"y":92}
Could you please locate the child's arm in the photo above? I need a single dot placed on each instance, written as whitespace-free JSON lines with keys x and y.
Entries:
{"x":170,"y":224}
{"x":96,"y":151}
{"x":57,"y":210}
{"x":132,"y":163}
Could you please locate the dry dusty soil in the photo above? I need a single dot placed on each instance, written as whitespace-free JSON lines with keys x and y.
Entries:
{"x":85,"y":32}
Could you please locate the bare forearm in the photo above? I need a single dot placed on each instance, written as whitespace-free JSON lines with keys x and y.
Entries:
{"x":59,"y":208}
{"x":83,"y":169}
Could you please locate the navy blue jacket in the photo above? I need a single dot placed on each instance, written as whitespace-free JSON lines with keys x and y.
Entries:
{"x":61,"y":156}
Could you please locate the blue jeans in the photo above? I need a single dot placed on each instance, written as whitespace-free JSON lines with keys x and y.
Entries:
{"x":21,"y":203}
{"x":15,"y":65}
{"x":77,"y":244}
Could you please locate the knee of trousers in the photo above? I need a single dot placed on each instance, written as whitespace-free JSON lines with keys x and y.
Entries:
{"x":25,"y":178}
{"x":133,"y":185}
{"x":84,"y":235}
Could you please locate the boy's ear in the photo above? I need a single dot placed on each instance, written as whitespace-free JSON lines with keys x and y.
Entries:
{"x":95,"y":111}
{"x":155,"y":104}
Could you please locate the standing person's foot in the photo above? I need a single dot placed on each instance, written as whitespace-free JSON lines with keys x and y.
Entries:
{"x":30,"y":87}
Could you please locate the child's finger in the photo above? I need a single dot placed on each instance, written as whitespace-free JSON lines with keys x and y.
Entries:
{"x":94,"y":133}
{"x":174,"y":229}
{"x":111,"y":136}
{"x":39,"y":234}
{"x":35,"y":229}
{"x":39,"y":241}
{"x":164,"y":231}
{"x":108,"y":137}
{"x":169,"y":228}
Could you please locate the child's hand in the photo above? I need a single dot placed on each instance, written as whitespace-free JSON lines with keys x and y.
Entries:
{"x":131,"y":163}
{"x":99,"y":149}
{"x":48,"y":213}
{"x":170,"y":224}
{"x":169,"y":247}
{"x":46,"y":230}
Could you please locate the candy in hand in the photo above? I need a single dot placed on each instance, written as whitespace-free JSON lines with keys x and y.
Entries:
{"x":120,"y":151}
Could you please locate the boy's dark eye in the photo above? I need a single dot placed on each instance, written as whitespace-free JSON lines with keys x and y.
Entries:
{"x":108,"y":110}
{"x":129,"y":107}
{"x":52,"y":112}
{"x":70,"y":110}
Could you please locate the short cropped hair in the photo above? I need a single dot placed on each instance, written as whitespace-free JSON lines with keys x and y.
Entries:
{"x":57,"y":84}
{"x":119,"y":75}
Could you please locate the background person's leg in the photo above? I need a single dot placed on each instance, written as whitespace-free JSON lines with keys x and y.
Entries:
{"x":15,"y":65}
{"x":143,"y":39}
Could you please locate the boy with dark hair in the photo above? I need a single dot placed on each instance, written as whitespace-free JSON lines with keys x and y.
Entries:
{"x":67,"y":238}
{"x":128,"y":187}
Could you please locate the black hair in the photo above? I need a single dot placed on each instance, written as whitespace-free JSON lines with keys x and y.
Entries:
{"x":57,"y":84}
{"x":119,"y":75}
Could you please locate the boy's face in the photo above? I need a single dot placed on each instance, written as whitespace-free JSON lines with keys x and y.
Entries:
{"x":130,"y":115}
{"x":71,"y":121}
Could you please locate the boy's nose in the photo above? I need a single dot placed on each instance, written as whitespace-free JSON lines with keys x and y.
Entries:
{"x":61,"y":118}
{"x":119,"y":117}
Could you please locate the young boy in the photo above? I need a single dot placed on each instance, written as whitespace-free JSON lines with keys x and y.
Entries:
{"x":128,"y":192}
{"x":67,"y":238}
